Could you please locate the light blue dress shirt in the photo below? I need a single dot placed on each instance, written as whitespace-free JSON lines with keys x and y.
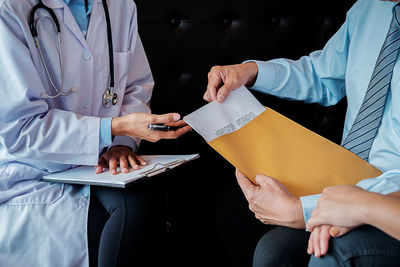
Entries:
{"x":344,"y":68}
{"x":78,"y":10}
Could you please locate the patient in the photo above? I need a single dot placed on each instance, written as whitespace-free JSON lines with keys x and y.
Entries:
{"x":360,"y":62}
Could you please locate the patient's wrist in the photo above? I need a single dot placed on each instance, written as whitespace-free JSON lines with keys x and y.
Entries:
{"x":252,"y":73}
{"x":365,"y":207}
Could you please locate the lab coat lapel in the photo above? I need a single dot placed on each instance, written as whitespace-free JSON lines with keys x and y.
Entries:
{"x":68,"y":19}
{"x":95,"y":22}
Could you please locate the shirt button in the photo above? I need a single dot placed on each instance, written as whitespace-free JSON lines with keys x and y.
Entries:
{"x":87,"y":55}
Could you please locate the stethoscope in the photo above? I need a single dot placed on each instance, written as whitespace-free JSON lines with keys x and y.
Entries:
{"x":109,"y":96}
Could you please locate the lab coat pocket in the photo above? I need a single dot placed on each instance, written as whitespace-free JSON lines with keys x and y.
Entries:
{"x":40,"y":194}
{"x":26,"y":189}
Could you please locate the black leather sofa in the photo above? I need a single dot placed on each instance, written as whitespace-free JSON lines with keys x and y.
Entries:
{"x":183,"y":40}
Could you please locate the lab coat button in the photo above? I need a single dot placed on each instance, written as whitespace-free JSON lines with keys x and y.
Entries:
{"x":86,"y":103}
{"x":84,"y":33}
{"x":87,"y":55}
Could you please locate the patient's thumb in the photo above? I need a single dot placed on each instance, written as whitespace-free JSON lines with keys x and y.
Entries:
{"x":224,"y":91}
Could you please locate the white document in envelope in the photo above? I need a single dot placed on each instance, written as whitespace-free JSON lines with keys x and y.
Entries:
{"x":216,"y":119}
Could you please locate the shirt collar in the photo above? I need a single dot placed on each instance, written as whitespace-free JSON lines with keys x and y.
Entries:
{"x":90,"y":2}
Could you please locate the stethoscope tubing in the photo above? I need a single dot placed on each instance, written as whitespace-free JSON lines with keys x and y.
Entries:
{"x":109,"y":96}
{"x":110,"y":45}
{"x":32,"y":24}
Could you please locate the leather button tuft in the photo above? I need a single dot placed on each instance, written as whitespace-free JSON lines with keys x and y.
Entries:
{"x":275,"y":20}
{"x":228,"y":22}
{"x":175,"y":22}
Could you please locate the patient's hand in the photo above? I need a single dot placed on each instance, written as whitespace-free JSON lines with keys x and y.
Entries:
{"x":224,"y":79}
{"x":271,"y":202}
{"x":340,"y":205}
{"x":122,"y":156}
{"x":318,"y":243}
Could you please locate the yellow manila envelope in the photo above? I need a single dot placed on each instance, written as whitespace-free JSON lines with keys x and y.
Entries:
{"x":260,"y":140}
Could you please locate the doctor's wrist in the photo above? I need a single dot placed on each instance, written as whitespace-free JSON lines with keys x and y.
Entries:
{"x":117,"y":126}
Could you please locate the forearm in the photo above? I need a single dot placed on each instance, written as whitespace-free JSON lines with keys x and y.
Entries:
{"x":382,"y":212}
{"x":299,"y":80}
{"x":55,"y":136}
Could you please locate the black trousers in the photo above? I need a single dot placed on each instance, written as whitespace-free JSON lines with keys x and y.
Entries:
{"x":126,"y":227}
{"x":365,"y":246}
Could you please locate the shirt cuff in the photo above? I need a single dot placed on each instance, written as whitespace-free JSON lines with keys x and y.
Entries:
{"x":309,"y":203}
{"x":266,"y":76}
{"x":105,"y":132}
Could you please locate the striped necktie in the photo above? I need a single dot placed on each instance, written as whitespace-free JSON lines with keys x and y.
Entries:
{"x":362,"y":134}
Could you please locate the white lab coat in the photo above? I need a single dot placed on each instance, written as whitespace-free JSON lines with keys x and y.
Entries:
{"x":44,"y":224}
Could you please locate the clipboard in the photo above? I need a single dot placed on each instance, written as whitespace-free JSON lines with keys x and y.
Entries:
{"x":162,"y":167}
{"x":86,"y":174}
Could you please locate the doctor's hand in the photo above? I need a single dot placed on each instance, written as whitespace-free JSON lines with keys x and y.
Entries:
{"x":122,"y":156}
{"x":271,"y":202}
{"x":136,"y":125}
{"x":224,"y":79}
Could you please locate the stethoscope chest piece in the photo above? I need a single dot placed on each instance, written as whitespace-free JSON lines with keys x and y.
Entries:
{"x":114,"y":99}
{"x":109,"y":98}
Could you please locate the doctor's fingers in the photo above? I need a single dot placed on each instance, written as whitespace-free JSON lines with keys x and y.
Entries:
{"x":164,"y":118}
{"x":138,"y":159}
{"x":179,"y":123}
{"x":124,"y":165}
{"x":133,"y":162}
{"x":101,"y":165}
{"x":158,"y":135}
{"x":112,"y":165}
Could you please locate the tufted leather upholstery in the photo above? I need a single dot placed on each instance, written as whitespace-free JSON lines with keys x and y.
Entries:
{"x":183,"y":39}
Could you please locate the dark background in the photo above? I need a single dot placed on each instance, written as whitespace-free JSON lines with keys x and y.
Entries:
{"x":183,"y":39}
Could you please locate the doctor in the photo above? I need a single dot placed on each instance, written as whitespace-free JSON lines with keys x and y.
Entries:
{"x":64,"y":101}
